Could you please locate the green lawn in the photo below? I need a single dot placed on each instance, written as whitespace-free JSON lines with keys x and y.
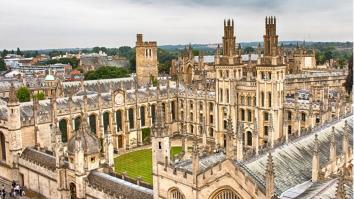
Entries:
{"x":139,"y":163}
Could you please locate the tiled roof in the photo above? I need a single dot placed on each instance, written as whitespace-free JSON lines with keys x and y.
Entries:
{"x":293,"y":161}
{"x":40,"y":158}
{"x":118,"y":187}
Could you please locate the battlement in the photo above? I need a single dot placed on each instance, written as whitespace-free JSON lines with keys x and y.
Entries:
{"x":141,"y":43}
{"x":271,"y":20}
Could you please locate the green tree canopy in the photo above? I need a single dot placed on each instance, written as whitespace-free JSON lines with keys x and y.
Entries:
{"x":107,"y":72}
{"x":18,"y":52}
{"x":39,"y":96}
{"x":23,"y":94}
{"x":2,"y":65}
{"x":248,"y":49}
{"x":74,"y":62}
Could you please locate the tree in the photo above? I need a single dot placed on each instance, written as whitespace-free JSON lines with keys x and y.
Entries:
{"x":4,"y":53}
{"x":18,"y":52}
{"x":39,"y":96}
{"x":23,"y":94}
{"x":349,"y":82}
{"x":107,"y":72}
{"x":248,"y":50}
{"x":2,"y":65}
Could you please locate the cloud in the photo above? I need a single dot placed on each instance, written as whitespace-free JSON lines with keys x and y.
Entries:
{"x":34,"y":24}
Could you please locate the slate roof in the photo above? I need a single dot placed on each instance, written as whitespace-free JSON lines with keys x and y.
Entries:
{"x":118,"y":187}
{"x":40,"y":158}
{"x":204,"y":162}
{"x":293,"y":161}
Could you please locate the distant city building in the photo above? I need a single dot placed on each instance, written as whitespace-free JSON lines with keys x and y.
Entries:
{"x":267,"y":126}
{"x":95,"y":60}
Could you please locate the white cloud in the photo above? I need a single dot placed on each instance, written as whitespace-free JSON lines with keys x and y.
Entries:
{"x":34,"y":24}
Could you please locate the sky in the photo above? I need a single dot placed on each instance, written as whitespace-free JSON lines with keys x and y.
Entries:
{"x":41,"y":24}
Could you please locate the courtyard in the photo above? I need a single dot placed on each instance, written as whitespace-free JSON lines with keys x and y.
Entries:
{"x":139,"y":163}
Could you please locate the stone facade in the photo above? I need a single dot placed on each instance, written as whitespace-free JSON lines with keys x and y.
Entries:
{"x":239,"y":110}
{"x":146,"y":60}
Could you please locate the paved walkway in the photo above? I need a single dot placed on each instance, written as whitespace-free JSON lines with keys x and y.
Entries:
{"x":29,"y":194}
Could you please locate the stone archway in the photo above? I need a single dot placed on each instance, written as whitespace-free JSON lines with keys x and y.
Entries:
{"x":225,"y":193}
{"x":175,"y":193}
{"x":72,"y":188}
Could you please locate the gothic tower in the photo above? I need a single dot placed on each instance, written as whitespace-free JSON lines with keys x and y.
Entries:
{"x":160,"y":141}
{"x":14,"y":126}
{"x":146,"y":60}
{"x":229,"y":38}
{"x":270,"y":37}
{"x":270,"y":87}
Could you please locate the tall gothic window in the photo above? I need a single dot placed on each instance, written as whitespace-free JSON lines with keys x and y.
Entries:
{"x":153,"y":113}
{"x":131,"y":118}
{"x":105,"y":121}
{"x":142,"y":116}
{"x":176,"y":194}
{"x":92,"y":122}
{"x":303,"y":117}
{"x":173,"y":107}
{"x":249,"y":115}
{"x":262,"y":98}
{"x":289,"y":115}
{"x":3,"y":147}
{"x":63,"y":127}
{"x":270,"y":99}
{"x":242,"y":114}
{"x":119,"y":120}
{"x":226,"y":194}
{"x":266,"y":116}
{"x":249,"y":138}
{"x":77,"y":123}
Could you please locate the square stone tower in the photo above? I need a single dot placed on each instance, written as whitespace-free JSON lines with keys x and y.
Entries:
{"x":146,"y":60}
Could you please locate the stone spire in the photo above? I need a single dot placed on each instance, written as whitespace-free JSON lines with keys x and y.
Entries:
{"x":239,"y":143}
{"x":346,"y":141}
{"x":159,"y":125}
{"x":195,"y":159}
{"x":229,"y":135}
{"x":315,"y":160}
{"x":340,"y":191}
{"x":332,"y":152}
{"x":12,"y":94}
{"x":269,"y":178}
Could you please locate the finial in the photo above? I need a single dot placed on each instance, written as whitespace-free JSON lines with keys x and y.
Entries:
{"x":12,"y":94}
{"x":316,"y":147}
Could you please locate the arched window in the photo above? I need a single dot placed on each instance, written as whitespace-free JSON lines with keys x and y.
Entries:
{"x":269,"y":99}
{"x":63,"y":127}
{"x":249,"y":101}
{"x":72,"y":187}
{"x":211,"y":107}
{"x":303,"y":116}
{"x":153,"y":113}
{"x":289,"y":129}
{"x":249,"y":115}
{"x":266,"y":116}
{"x":173,"y":107}
{"x":221,"y":95}
{"x":142,"y":116}
{"x":289,"y":115}
{"x":225,"y":193}
{"x":227,"y":95}
{"x":211,"y":132}
{"x":262,"y":98}
{"x":249,"y":138}
{"x":119,"y":120}
{"x":242,"y":115}
{"x":176,"y":194}
{"x":77,"y":123}
{"x":191,"y":128}
{"x":3,"y":147}
{"x":92,"y":121}
{"x":131,"y":118}
{"x":105,"y":121}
